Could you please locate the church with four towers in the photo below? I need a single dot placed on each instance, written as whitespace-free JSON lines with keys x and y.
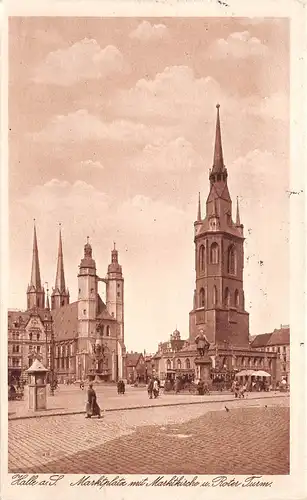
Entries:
{"x":88,"y":334}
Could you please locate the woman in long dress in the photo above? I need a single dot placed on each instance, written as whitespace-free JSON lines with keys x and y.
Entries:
{"x":92,"y":407}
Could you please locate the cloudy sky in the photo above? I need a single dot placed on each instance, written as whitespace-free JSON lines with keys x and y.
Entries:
{"x":111,"y":134}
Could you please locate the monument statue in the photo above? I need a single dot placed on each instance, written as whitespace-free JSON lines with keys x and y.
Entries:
{"x":202,"y":343}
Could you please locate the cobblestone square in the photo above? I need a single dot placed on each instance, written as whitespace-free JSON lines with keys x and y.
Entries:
{"x":251,"y":438}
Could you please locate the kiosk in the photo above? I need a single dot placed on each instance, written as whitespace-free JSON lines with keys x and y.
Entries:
{"x":37,"y":386}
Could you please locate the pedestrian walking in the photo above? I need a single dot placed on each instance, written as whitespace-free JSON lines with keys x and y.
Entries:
{"x":92,"y":407}
{"x":156,"y":388}
{"x":150,"y":388}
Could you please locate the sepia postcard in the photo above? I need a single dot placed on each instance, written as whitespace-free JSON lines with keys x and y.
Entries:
{"x":152,"y":250}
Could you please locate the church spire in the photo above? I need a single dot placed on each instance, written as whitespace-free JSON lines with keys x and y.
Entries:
{"x":238,"y":223}
{"x":218,"y":172}
{"x":35,"y":272}
{"x":35,"y":292}
{"x":60,"y":277}
{"x":218,"y":161}
{"x":60,"y":295}
{"x":199,"y":209}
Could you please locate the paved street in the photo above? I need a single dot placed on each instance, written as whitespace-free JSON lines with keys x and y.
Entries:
{"x":72,"y":399}
{"x":252,"y":438}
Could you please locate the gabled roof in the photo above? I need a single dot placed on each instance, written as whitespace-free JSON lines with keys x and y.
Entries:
{"x":260,"y":340}
{"x":280,"y":336}
{"x":132,"y":359}
{"x":65,"y":321}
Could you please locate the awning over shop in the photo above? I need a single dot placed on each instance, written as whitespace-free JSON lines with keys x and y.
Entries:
{"x":252,"y":373}
{"x":245,"y":373}
{"x":260,"y":373}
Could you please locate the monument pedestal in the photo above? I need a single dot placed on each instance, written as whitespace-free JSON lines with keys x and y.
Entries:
{"x":203,"y":369}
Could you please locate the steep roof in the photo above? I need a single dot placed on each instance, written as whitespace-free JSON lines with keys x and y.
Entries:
{"x":261,"y":340}
{"x":21,"y":318}
{"x":132,"y":359}
{"x":280,"y":336}
{"x":65,"y":321}
{"x":103,"y":312}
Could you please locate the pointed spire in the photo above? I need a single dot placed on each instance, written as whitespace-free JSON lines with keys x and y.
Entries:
{"x":199,"y":209}
{"x":47,"y":298}
{"x":35,"y":272}
{"x":218,"y":162}
{"x":238,"y":223}
{"x":60,"y":278}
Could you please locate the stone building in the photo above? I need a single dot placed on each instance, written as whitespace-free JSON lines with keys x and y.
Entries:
{"x":218,"y":303}
{"x":135,"y":367}
{"x":88,"y":333}
{"x":277,"y":341}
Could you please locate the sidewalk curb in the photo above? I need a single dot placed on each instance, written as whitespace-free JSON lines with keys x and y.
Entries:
{"x":58,"y":414}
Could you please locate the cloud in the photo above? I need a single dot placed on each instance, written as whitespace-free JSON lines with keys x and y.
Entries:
{"x":173,"y":94}
{"x":254,"y":177}
{"x":177,"y":155}
{"x":77,"y":199}
{"x":81,"y":126}
{"x":84,"y":60}
{"x":239,"y":45}
{"x":149,"y":32}
{"x":91,"y":164}
{"x":275,"y":106}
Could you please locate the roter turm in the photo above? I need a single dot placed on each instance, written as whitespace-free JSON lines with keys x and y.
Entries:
{"x":218,"y":307}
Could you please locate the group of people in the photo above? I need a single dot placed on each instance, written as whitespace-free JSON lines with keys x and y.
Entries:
{"x":121,"y":387}
{"x":238,"y":389}
{"x":16,"y":391}
{"x":153,"y":388}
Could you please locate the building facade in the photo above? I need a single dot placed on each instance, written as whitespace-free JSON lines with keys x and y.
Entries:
{"x":135,"y":368}
{"x":88,"y":334}
{"x":218,"y":302}
{"x":277,"y":341}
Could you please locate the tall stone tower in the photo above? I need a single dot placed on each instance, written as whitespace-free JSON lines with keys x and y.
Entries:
{"x":115,"y":292}
{"x":60,"y":294}
{"x":219,"y":259}
{"x":87,"y":299}
{"x":35,"y":291}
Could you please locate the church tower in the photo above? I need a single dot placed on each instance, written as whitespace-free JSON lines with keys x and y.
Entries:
{"x":87,"y":298}
{"x":60,"y":295}
{"x":115,"y":292}
{"x":35,"y":291}
{"x":219,"y":260}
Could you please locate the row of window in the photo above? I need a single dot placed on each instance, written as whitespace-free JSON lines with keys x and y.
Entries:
{"x":32,"y":336}
{"x":214,"y":257}
{"x":227,"y":298}
{"x":16,"y":362}
{"x":240,"y":361}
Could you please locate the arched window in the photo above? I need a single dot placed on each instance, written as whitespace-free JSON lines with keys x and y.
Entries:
{"x":227,"y":297}
{"x":202,"y":298}
{"x":237,"y":300}
{"x":202,"y":258}
{"x":30,"y":336}
{"x":243,"y":300}
{"x":232,"y":260}
{"x":178,"y":364}
{"x":187,"y":364}
{"x":214,"y":296}
{"x":108,"y":331}
{"x":214,"y":253}
{"x":243,"y":361}
{"x":168,"y":365}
